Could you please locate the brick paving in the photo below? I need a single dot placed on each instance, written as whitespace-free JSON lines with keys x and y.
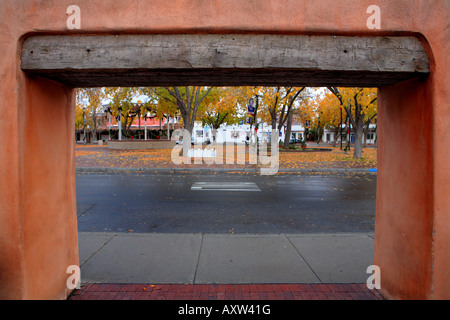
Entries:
{"x":225,"y":292}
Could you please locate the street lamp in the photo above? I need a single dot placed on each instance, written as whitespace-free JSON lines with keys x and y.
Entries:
{"x":349,"y":126}
{"x":318,"y":128}
{"x":84,"y":124}
{"x":108,"y":111}
{"x":120,"y":123}
{"x":145,"y":123}
{"x":340,"y":128}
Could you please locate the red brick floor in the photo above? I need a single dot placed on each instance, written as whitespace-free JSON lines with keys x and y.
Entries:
{"x":225,"y":292}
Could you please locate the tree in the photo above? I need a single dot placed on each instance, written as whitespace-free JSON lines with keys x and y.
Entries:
{"x":221,"y":106}
{"x":79,"y":118}
{"x":159,"y":103}
{"x":290,"y":113}
{"x":272,"y":98}
{"x":122,"y":105}
{"x":277,"y":106}
{"x":89,"y":100}
{"x":360,"y":106}
{"x":330,"y":114}
{"x":279,"y":102}
{"x":188,"y":101}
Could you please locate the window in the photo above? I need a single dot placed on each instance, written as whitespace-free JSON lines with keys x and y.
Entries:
{"x":370,"y":136}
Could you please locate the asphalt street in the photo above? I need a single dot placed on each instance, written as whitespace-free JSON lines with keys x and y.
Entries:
{"x":225,"y":203}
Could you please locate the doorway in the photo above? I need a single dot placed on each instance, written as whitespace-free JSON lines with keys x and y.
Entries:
{"x":228,"y":60}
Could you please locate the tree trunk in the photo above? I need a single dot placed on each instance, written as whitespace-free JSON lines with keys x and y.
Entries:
{"x":188,"y":107}
{"x":287,"y":136}
{"x":336,"y":135}
{"x":365,"y":133}
{"x":187,"y":122}
{"x":367,"y":129}
{"x":274,"y":123}
{"x":94,"y":116}
{"x":128,"y":124}
{"x":376,"y":136}
{"x":357,"y":152}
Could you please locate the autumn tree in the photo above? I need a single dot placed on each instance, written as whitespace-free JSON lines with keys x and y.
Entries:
{"x":298,"y":102}
{"x":221,"y":106}
{"x":123,"y":105}
{"x":89,"y":105}
{"x":360,"y":105}
{"x":158,"y":103}
{"x":280,"y":102}
{"x":331,"y":115}
{"x":79,"y":116}
{"x":278,"y":106}
{"x":188,"y":100}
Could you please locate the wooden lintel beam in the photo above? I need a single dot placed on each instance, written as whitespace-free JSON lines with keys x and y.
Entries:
{"x":154,"y":60}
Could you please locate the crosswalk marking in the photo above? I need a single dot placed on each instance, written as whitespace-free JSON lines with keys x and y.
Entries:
{"x":225,"y":186}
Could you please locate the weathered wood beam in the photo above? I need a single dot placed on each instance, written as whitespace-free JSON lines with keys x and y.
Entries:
{"x":222,"y":60}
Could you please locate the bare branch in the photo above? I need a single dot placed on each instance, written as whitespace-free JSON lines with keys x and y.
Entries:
{"x":204,"y":96}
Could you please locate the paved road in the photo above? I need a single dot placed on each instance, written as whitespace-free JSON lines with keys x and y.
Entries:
{"x":226,"y":203}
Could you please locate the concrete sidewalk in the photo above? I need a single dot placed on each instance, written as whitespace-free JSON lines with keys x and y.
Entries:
{"x":225,"y":258}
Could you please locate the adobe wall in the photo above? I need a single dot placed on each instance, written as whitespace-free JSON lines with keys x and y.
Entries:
{"x":37,"y":194}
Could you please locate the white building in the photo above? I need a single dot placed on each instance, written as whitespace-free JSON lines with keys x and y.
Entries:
{"x":329,"y":136}
{"x":240,"y":133}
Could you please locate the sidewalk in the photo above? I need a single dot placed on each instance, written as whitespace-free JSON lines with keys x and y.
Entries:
{"x":223,"y":266}
{"x":168,"y":266}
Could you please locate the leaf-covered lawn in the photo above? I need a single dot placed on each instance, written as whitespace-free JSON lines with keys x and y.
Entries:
{"x":331,"y":159}
{"x":101,"y":156}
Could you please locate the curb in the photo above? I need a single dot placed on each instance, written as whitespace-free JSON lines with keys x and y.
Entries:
{"x":210,"y":170}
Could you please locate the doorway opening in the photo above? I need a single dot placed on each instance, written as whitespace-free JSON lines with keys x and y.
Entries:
{"x":233,"y":225}
{"x":225,"y":60}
